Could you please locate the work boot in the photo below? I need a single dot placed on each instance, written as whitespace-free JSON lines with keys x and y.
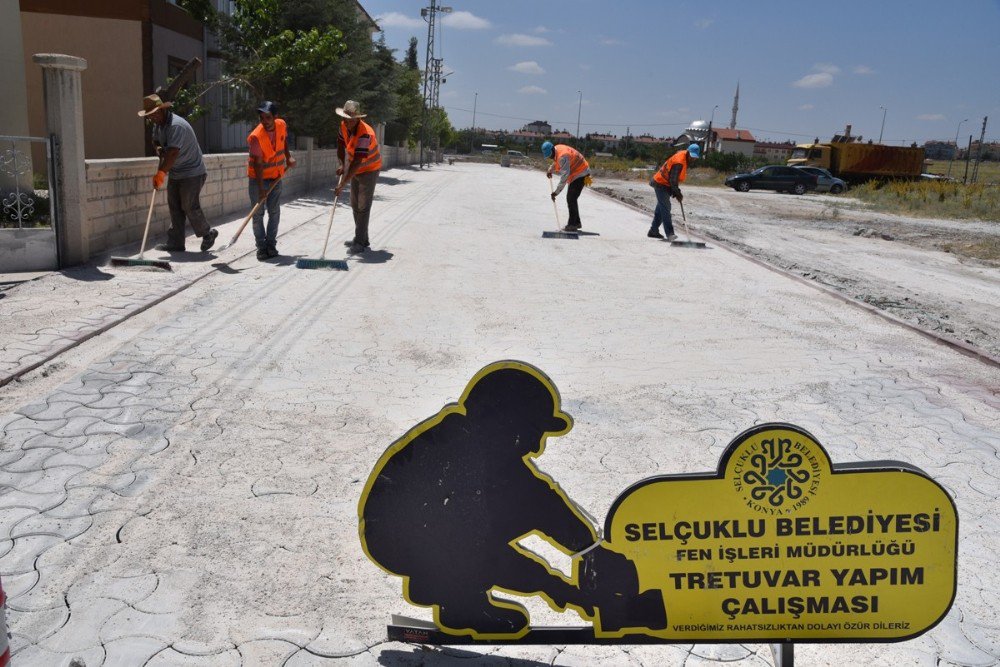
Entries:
{"x":170,"y":247}
{"x":263,"y":254}
{"x":272,"y":251}
{"x":208,"y":240}
{"x":572,"y":228}
{"x":672,"y":237}
{"x":356,"y":248}
{"x":654,"y":234}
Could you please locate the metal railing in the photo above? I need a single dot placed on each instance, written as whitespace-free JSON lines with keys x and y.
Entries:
{"x":28,"y":195}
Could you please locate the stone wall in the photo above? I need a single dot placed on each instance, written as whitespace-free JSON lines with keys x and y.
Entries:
{"x":118,"y":191}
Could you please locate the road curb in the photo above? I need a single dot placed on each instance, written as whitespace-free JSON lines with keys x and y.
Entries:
{"x":955,"y":344}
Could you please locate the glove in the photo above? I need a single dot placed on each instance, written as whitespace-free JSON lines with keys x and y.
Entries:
{"x":675,"y":192}
{"x":291,"y":162}
{"x":158,"y":179}
{"x":554,"y":195}
{"x":588,"y":181}
{"x":548,"y":175}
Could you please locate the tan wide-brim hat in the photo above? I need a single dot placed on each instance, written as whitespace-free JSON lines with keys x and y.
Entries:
{"x":151,"y":104}
{"x":351,"y":109}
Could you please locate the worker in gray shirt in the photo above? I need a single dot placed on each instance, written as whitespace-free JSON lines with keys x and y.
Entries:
{"x":180,"y":156}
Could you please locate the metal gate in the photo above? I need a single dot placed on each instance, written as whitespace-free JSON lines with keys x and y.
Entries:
{"x":28,"y":204}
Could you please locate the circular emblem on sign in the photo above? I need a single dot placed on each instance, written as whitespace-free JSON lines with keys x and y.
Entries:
{"x":776,"y":474}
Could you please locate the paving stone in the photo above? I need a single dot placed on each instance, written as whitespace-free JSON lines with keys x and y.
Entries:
{"x":172,"y":658}
{"x":266,"y":652}
{"x":132,"y":651}
{"x":81,"y":631}
{"x":129,"y":622}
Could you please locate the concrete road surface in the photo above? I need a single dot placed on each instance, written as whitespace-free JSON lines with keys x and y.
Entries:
{"x":182,"y":489}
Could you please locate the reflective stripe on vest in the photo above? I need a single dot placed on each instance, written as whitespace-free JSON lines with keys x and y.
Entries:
{"x":372,"y":161}
{"x":273,"y":159}
{"x":663,"y":175}
{"x":577,"y":163}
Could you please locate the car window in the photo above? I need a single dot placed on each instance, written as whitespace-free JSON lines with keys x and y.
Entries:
{"x":757,"y":172}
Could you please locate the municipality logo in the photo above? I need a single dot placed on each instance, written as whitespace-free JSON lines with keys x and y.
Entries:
{"x":774,"y":474}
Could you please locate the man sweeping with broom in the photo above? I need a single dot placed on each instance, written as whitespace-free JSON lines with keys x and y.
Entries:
{"x":269,"y":157}
{"x":360,"y":162}
{"x":573,"y":169}
{"x":180,"y":156}
{"x":666,"y":184}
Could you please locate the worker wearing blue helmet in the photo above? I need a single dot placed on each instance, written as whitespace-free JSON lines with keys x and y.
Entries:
{"x":666,"y":184}
{"x":574,"y":170}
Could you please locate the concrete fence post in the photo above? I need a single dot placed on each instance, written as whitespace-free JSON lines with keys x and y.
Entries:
{"x":63,"y":90}
{"x":310,"y":143}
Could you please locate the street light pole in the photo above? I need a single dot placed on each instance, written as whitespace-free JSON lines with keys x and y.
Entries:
{"x":883,"y":124}
{"x":708,"y":140}
{"x":952,"y":161}
{"x":472,"y":140}
{"x":579,"y":108}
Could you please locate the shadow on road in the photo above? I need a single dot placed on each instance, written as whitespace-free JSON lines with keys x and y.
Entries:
{"x":222,"y":267}
{"x":395,"y":658}
{"x":373,"y":257}
{"x":87,"y":274}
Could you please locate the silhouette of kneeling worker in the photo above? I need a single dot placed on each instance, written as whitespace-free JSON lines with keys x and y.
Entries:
{"x":447,"y":503}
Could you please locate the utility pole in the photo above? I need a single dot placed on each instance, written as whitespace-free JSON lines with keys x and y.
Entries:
{"x":968,"y":155}
{"x":979,"y":151}
{"x":883,"y":124}
{"x":431,"y":64}
{"x":708,"y":139}
{"x":579,"y":108}
{"x":955,"y":154}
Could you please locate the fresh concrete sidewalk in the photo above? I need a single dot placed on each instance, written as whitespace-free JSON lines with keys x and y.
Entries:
{"x":190,"y":497}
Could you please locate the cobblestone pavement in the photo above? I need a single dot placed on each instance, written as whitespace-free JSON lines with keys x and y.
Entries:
{"x":190,"y":496}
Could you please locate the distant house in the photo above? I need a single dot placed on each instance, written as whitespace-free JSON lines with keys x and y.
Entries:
{"x":773,"y":151}
{"x":648,"y":140}
{"x":562,"y":135}
{"x":610,"y":141}
{"x":539,"y":126}
{"x":525,"y":137}
{"x":940,"y":150}
{"x":724,"y":140}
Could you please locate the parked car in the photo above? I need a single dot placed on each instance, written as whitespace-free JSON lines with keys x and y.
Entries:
{"x":774,"y":177}
{"x":825,"y":181}
{"x":516,"y":155}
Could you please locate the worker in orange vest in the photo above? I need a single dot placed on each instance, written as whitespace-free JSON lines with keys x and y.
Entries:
{"x":666,"y":184}
{"x":360,"y":162}
{"x":269,"y":157}
{"x":573,"y":169}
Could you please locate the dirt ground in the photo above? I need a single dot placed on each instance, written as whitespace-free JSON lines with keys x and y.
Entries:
{"x":911,"y":267}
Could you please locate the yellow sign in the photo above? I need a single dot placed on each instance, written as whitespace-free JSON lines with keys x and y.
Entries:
{"x":782,"y":545}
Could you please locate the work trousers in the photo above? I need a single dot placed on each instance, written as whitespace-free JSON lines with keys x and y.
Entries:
{"x":573,"y":191}
{"x":183,"y":198}
{"x":362,"y":193}
{"x":662,"y":213}
{"x":266,"y":238}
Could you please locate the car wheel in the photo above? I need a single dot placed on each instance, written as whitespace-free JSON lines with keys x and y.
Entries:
{"x":799,"y":189}
{"x":836,"y":189}
{"x":743,"y":186}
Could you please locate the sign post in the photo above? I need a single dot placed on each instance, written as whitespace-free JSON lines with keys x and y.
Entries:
{"x":779,"y":545}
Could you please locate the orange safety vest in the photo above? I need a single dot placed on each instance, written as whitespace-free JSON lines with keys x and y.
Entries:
{"x":577,"y":163}
{"x":273,"y":160}
{"x":371,"y":162}
{"x":663,"y":175}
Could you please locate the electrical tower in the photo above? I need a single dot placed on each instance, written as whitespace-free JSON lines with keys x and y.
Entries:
{"x":432,"y":70}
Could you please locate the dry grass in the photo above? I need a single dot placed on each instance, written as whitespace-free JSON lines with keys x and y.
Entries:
{"x":933,"y":199}
{"x":988,"y":249}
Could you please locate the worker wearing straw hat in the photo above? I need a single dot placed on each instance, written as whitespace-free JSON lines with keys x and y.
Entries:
{"x":180,"y":156}
{"x":360,"y":162}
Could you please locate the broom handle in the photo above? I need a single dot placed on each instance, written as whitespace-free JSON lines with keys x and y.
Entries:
{"x":555,"y":209}
{"x":149,"y":217}
{"x":684,"y":219}
{"x":256,"y":206}
{"x":329,"y":226}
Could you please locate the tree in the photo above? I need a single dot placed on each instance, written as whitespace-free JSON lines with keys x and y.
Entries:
{"x":411,"y":55}
{"x":309,"y":56}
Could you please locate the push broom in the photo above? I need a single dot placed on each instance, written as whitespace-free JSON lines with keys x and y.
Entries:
{"x":247,"y":219}
{"x":139,"y":261}
{"x":687,"y":243}
{"x":322,"y":262}
{"x":559,"y":233}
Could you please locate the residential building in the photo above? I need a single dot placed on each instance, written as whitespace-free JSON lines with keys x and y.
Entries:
{"x":940,"y":150}
{"x":725,"y":140}
{"x":774,"y":151}
{"x":525,"y":137}
{"x":539,"y":126}
{"x":609,"y":141}
{"x":562,"y":136}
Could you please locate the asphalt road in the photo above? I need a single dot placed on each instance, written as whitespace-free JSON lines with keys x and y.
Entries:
{"x":183,"y":489}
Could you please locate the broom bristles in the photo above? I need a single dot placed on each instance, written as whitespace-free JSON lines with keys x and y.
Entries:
{"x":132,"y":261}
{"x":307,"y":263}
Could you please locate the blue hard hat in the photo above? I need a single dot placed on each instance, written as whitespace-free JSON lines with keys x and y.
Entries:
{"x":547,"y":149}
{"x":694,"y":150}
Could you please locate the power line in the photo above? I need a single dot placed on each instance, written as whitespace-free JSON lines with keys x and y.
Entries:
{"x":568,"y":123}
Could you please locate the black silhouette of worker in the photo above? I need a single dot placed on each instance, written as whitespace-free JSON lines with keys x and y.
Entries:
{"x":447,"y":503}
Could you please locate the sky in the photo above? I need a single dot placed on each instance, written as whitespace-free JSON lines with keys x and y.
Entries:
{"x":805,"y":69}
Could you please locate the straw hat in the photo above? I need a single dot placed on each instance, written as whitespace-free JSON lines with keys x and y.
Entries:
{"x":151,"y":104}
{"x":351,"y":109}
